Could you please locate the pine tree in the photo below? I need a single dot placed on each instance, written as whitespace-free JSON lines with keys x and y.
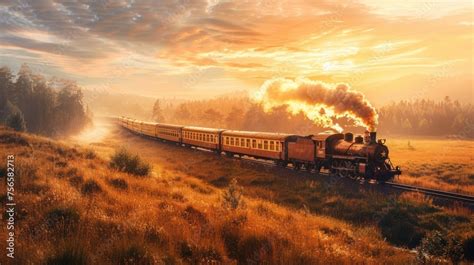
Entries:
{"x":16,"y":121}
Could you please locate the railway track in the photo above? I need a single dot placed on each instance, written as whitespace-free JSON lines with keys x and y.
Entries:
{"x":432,"y":192}
{"x":404,"y":187}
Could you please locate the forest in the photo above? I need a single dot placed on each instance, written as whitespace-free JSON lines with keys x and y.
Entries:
{"x":444,"y":118}
{"x":30,"y":102}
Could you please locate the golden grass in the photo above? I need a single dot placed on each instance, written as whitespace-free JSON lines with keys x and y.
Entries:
{"x":171,"y":217}
{"x":444,"y":164}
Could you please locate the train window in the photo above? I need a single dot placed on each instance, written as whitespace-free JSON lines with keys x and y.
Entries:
{"x":227,"y":140}
{"x":272,"y":145}
{"x":248,"y":143}
{"x":237,"y":141}
{"x":265,"y":145}
{"x":231,"y":140}
{"x":242,"y":142}
{"x":254,"y":143}
{"x":277,"y":146}
{"x":259,"y":144}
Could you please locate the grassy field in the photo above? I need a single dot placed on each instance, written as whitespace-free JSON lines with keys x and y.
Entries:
{"x":74,"y":207}
{"x":444,"y":164}
{"x":402,"y":220}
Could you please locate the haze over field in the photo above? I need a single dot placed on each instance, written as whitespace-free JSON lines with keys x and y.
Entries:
{"x":200,"y":49}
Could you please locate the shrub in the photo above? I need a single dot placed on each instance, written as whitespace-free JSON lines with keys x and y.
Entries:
{"x":64,"y":220}
{"x":130,"y":254}
{"x":118,"y":183}
{"x":76,"y":181}
{"x":124,"y":161}
{"x":438,"y":245}
{"x":156,"y":236}
{"x":468,"y":246}
{"x":254,"y":250}
{"x":400,"y":227}
{"x":198,"y":255}
{"x":232,"y":196}
{"x":231,"y":237}
{"x":194,"y":216}
{"x":69,"y":255}
{"x":91,"y":187}
{"x":90,"y":154}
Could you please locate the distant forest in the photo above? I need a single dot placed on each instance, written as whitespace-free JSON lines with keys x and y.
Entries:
{"x":30,"y":102}
{"x":421,"y":117}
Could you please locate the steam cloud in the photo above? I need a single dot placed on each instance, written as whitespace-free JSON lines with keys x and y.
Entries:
{"x":319,"y":101}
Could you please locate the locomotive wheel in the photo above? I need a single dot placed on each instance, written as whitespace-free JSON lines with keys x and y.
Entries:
{"x":296,"y":166}
{"x":350,"y":169}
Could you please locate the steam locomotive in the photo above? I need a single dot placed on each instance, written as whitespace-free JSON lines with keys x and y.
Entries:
{"x":340,"y":154}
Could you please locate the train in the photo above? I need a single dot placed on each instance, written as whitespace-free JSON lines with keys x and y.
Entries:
{"x":360,"y":157}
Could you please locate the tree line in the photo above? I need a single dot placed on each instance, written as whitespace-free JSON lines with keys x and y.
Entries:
{"x":30,"y":102}
{"x":428,"y":117}
{"x":419,"y":117}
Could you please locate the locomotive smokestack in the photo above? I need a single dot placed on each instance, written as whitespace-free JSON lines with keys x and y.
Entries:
{"x":373,"y":137}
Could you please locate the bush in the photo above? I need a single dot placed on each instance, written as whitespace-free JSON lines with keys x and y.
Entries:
{"x":69,"y":255}
{"x":90,"y":187}
{"x":400,"y":226}
{"x":198,"y":255}
{"x":90,"y":154}
{"x":468,"y":246}
{"x":231,"y":237}
{"x":118,"y":183}
{"x":64,"y":220}
{"x":254,"y":250}
{"x":130,"y":254}
{"x":232,"y":196}
{"x":124,"y":161}
{"x":438,"y":245}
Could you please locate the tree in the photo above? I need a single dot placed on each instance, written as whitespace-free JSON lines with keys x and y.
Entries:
{"x":182,"y":113}
{"x":158,"y":112}
{"x":69,"y":111}
{"x":6,"y":85}
{"x":235,"y":118}
{"x":16,"y":121}
{"x":23,"y":89}
{"x":212,"y":117}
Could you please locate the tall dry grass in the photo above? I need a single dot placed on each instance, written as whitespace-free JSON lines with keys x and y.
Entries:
{"x":75,"y":209}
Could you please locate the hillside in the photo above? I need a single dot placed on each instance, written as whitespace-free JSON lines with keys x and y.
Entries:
{"x":72,"y":207}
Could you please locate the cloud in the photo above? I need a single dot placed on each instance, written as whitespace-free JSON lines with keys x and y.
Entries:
{"x":248,"y":40}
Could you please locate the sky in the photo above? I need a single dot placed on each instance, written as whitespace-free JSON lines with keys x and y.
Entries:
{"x":388,"y":50}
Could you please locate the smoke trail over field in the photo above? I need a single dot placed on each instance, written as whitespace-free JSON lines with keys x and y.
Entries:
{"x":320,"y":102}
